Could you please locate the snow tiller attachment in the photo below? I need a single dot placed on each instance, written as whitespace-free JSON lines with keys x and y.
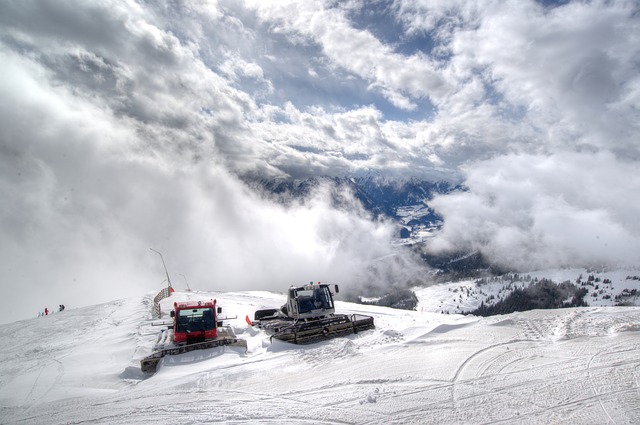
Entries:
{"x":309,"y":316}
{"x":196,"y":326}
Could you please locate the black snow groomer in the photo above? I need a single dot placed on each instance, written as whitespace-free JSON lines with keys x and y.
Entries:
{"x":309,"y":316}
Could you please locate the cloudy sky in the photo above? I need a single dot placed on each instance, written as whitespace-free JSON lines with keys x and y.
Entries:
{"x":125,"y":125}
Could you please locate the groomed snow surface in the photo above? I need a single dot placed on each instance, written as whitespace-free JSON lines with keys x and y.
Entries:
{"x":578,"y":366}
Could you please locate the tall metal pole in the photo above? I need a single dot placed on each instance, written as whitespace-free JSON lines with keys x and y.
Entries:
{"x":165,"y":266}
{"x":185,"y":281}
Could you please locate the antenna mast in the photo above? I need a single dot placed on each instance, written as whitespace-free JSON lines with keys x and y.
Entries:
{"x":165,"y":267}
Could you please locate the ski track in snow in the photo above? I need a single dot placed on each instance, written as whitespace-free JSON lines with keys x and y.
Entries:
{"x":578,"y":366}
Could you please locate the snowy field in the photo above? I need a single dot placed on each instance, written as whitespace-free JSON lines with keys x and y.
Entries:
{"x":579,"y":366}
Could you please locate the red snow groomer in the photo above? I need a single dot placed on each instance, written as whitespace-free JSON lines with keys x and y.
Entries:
{"x":196,"y":326}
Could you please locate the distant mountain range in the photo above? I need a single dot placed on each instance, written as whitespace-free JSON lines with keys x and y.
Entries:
{"x":404,"y":201}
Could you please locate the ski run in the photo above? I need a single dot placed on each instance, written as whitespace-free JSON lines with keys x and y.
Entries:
{"x":82,"y":366}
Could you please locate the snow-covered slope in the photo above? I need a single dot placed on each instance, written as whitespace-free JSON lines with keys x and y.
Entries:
{"x":604,"y":288}
{"x":555,"y":366}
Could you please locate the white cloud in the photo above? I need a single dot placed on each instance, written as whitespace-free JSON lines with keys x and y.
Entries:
{"x":399,"y":78}
{"x":124,"y":124}
{"x":531,"y":211}
{"x":106,"y":155}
